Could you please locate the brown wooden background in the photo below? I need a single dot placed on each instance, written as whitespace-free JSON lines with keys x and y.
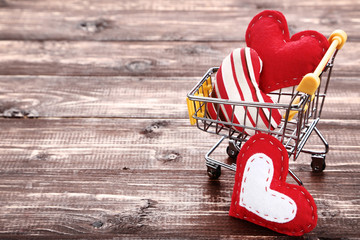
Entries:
{"x":95,"y":140}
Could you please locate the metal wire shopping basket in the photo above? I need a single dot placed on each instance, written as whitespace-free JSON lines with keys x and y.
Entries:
{"x":300,"y":105}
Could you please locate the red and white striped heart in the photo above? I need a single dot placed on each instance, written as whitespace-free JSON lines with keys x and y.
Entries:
{"x":261,"y":194}
{"x":238,"y":80}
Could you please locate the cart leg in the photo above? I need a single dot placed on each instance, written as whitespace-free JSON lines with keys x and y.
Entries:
{"x":318,"y":157}
{"x":214,"y":173}
{"x":318,"y":162}
{"x":326,"y":144}
{"x":214,"y":166}
{"x":232,"y":150}
{"x":296,"y":178}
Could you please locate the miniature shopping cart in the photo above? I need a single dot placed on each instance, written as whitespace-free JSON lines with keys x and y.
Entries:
{"x":301,"y":107}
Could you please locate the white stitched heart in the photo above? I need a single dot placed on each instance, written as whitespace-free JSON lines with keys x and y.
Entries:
{"x":256,"y":195}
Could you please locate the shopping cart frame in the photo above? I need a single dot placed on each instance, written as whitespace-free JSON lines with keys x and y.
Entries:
{"x":302,"y":107}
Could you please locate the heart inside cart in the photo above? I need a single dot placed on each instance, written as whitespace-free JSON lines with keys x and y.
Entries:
{"x":238,"y":80}
{"x":286,"y":59}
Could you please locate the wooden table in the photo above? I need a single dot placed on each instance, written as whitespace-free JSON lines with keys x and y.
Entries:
{"x":95,"y":140}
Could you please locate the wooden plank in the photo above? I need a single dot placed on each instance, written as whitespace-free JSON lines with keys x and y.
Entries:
{"x":152,"y":203}
{"x":173,"y":5}
{"x":132,"y":58}
{"x":112,"y":154}
{"x":132,"y":97}
{"x":146,"y":178}
{"x":165,"y":20}
{"x":116,"y":144}
{"x":137,"y":97}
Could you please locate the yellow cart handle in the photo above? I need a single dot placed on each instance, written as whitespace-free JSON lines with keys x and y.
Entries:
{"x":311,"y":81}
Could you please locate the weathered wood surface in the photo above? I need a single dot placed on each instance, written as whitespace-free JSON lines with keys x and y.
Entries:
{"x":165,"y":20}
{"x":95,"y":137}
{"x":74,"y":177}
{"x":132,"y":97}
{"x":132,"y":58}
{"x":142,"y":144}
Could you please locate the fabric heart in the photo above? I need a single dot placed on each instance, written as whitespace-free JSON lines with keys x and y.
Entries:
{"x":238,"y":80}
{"x":261,"y":194}
{"x":286,"y":60}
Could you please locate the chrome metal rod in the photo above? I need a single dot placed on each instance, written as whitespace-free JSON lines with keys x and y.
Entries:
{"x":296,"y":178}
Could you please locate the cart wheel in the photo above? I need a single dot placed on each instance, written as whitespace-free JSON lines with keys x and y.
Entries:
{"x":214,"y":173}
{"x":318,"y":162}
{"x":232,"y":151}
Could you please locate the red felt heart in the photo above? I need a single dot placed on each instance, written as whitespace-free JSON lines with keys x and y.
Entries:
{"x":285,"y":60}
{"x":261,"y":194}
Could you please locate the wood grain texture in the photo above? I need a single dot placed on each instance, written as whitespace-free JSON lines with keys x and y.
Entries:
{"x":148,"y":204}
{"x":108,"y":177}
{"x":173,"y":5}
{"x":95,"y":140}
{"x":136,"y":97}
{"x":154,"y":20}
{"x":157,"y":144}
{"x":64,"y":58}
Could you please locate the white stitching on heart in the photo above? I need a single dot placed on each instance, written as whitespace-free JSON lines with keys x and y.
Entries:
{"x":294,"y":188}
{"x":269,"y":171}
{"x":283,"y":32}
